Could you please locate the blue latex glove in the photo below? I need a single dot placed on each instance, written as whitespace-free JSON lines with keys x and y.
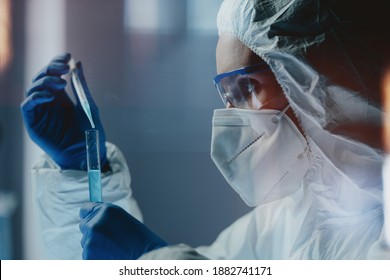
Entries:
{"x":110,"y":233}
{"x":55,"y":123}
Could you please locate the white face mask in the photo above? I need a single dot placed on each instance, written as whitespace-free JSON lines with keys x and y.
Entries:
{"x":261,"y":153}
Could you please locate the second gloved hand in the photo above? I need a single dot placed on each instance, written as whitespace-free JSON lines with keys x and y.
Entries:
{"x":55,"y":123}
{"x":110,"y":233}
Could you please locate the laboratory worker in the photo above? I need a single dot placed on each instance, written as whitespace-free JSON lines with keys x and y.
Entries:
{"x":298,"y":140}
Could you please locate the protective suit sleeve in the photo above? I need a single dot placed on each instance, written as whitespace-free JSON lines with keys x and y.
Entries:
{"x":237,"y":241}
{"x":59,"y":194}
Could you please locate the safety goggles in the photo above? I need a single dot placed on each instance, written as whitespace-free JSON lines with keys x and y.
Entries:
{"x":235,"y":87}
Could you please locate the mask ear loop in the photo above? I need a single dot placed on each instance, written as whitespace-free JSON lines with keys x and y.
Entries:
{"x":276,"y":119}
{"x":301,"y":155}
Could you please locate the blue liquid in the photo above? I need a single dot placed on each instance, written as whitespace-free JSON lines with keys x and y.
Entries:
{"x":95,"y":186}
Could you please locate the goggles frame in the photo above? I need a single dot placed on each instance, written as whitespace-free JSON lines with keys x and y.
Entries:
{"x":262,"y":67}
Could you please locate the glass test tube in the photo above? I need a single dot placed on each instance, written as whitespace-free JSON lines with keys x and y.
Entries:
{"x":93,"y":161}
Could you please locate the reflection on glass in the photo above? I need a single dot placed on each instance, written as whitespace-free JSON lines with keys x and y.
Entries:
{"x":93,"y":158}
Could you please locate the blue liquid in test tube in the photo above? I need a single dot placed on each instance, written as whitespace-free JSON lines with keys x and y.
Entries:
{"x":93,"y":160}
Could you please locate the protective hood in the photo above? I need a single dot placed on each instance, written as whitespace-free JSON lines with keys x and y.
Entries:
{"x":307,"y":44}
{"x":328,"y":57}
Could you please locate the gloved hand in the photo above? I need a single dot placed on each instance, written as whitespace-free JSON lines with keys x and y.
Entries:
{"x":55,"y":123}
{"x":109,"y":232}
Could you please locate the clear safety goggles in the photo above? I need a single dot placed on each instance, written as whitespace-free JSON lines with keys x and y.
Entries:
{"x":235,"y":87}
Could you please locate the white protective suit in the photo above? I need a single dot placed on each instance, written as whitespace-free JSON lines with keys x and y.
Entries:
{"x":337,"y":213}
{"x":60,"y":194}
